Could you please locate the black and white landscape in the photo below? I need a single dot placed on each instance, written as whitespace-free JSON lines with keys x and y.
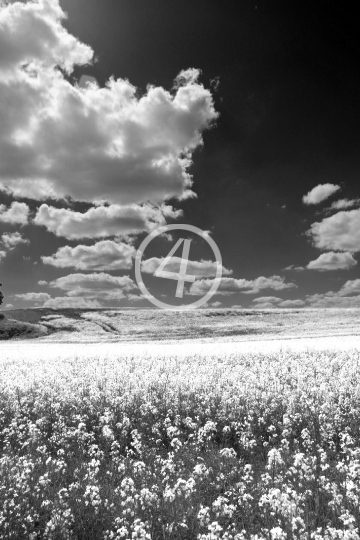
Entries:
{"x":204,"y":386}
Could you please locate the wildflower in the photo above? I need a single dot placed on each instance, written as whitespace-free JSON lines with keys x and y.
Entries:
{"x":228,"y":453}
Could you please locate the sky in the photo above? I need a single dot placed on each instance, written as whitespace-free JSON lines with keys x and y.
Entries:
{"x":239,"y":118}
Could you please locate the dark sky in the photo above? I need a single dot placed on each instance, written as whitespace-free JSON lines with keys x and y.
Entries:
{"x":285,"y":81}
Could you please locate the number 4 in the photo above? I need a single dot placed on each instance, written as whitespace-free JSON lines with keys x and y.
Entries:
{"x":181,"y":276}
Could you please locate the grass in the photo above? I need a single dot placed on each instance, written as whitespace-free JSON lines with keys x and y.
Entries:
{"x":161,"y":325}
{"x":232,"y":447}
{"x":13,"y":329}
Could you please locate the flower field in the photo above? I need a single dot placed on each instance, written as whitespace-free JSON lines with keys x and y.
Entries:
{"x":255,"y":446}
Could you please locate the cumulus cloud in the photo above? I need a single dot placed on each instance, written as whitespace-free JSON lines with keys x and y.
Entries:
{"x":8,"y":306}
{"x":2,"y":255}
{"x":33,"y":297}
{"x":91,"y":143}
{"x":264,"y":305}
{"x":344,"y":203}
{"x":352,"y":286}
{"x":33,"y":32}
{"x":105,"y":255}
{"x":272,"y":299}
{"x":199,"y":269}
{"x":320,"y":193}
{"x":100,"y":287}
{"x":348,"y":296}
{"x":327,"y":301}
{"x":11,"y":240}
{"x":103,"y":220}
{"x":135,"y":297}
{"x":292,"y":303}
{"x":333,"y":261}
{"x":266,"y":302}
{"x":42,"y":282}
{"x":231,"y":285}
{"x":17,"y":213}
{"x":296,"y":268}
{"x":339,"y":232}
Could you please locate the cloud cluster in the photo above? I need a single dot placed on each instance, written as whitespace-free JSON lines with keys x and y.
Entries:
{"x":320,"y":193}
{"x":100,"y":287}
{"x":344,"y":203}
{"x":348,"y":296}
{"x":17,"y":213}
{"x":102,"y":221}
{"x":33,"y":297}
{"x":231,"y":285}
{"x":267,"y":299}
{"x":85,"y":291}
{"x":90,"y":143}
{"x":11,"y":240}
{"x":105,"y":255}
{"x":199,"y":269}
{"x":339,"y":232}
{"x":332,"y":261}
{"x":266,"y":302}
{"x":293,"y":267}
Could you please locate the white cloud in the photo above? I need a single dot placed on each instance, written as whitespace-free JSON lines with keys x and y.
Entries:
{"x":232,"y":285}
{"x":103,"y":220}
{"x":352,"y":286}
{"x":33,"y":32}
{"x":265,"y":302}
{"x":85,"y":80}
{"x":8,"y":306}
{"x":33,"y":297}
{"x":88,"y":142}
{"x":264,"y":305}
{"x":292,"y":303}
{"x":348,"y":296}
{"x":198,"y":269}
{"x":333,"y":261}
{"x":101,"y":287}
{"x":105,"y":255}
{"x":17,"y":213}
{"x":135,"y":297}
{"x":42,"y":282}
{"x":340,"y":232}
{"x":65,"y":302}
{"x":272,"y":299}
{"x":320,"y":193}
{"x":344,"y":203}
{"x":293,"y":267}
{"x":215,"y":304}
{"x":11,"y":240}
{"x":2,"y":255}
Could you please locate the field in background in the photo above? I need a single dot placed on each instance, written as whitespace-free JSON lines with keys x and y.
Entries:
{"x":137,"y":325}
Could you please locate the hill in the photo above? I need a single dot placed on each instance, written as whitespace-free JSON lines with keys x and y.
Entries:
{"x":141,"y":325}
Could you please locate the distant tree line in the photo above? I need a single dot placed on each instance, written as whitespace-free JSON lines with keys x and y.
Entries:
{"x":1,"y":295}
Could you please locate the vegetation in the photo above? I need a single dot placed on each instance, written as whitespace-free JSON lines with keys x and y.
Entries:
{"x":161,"y":325}
{"x":1,"y":295}
{"x":232,"y":448}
